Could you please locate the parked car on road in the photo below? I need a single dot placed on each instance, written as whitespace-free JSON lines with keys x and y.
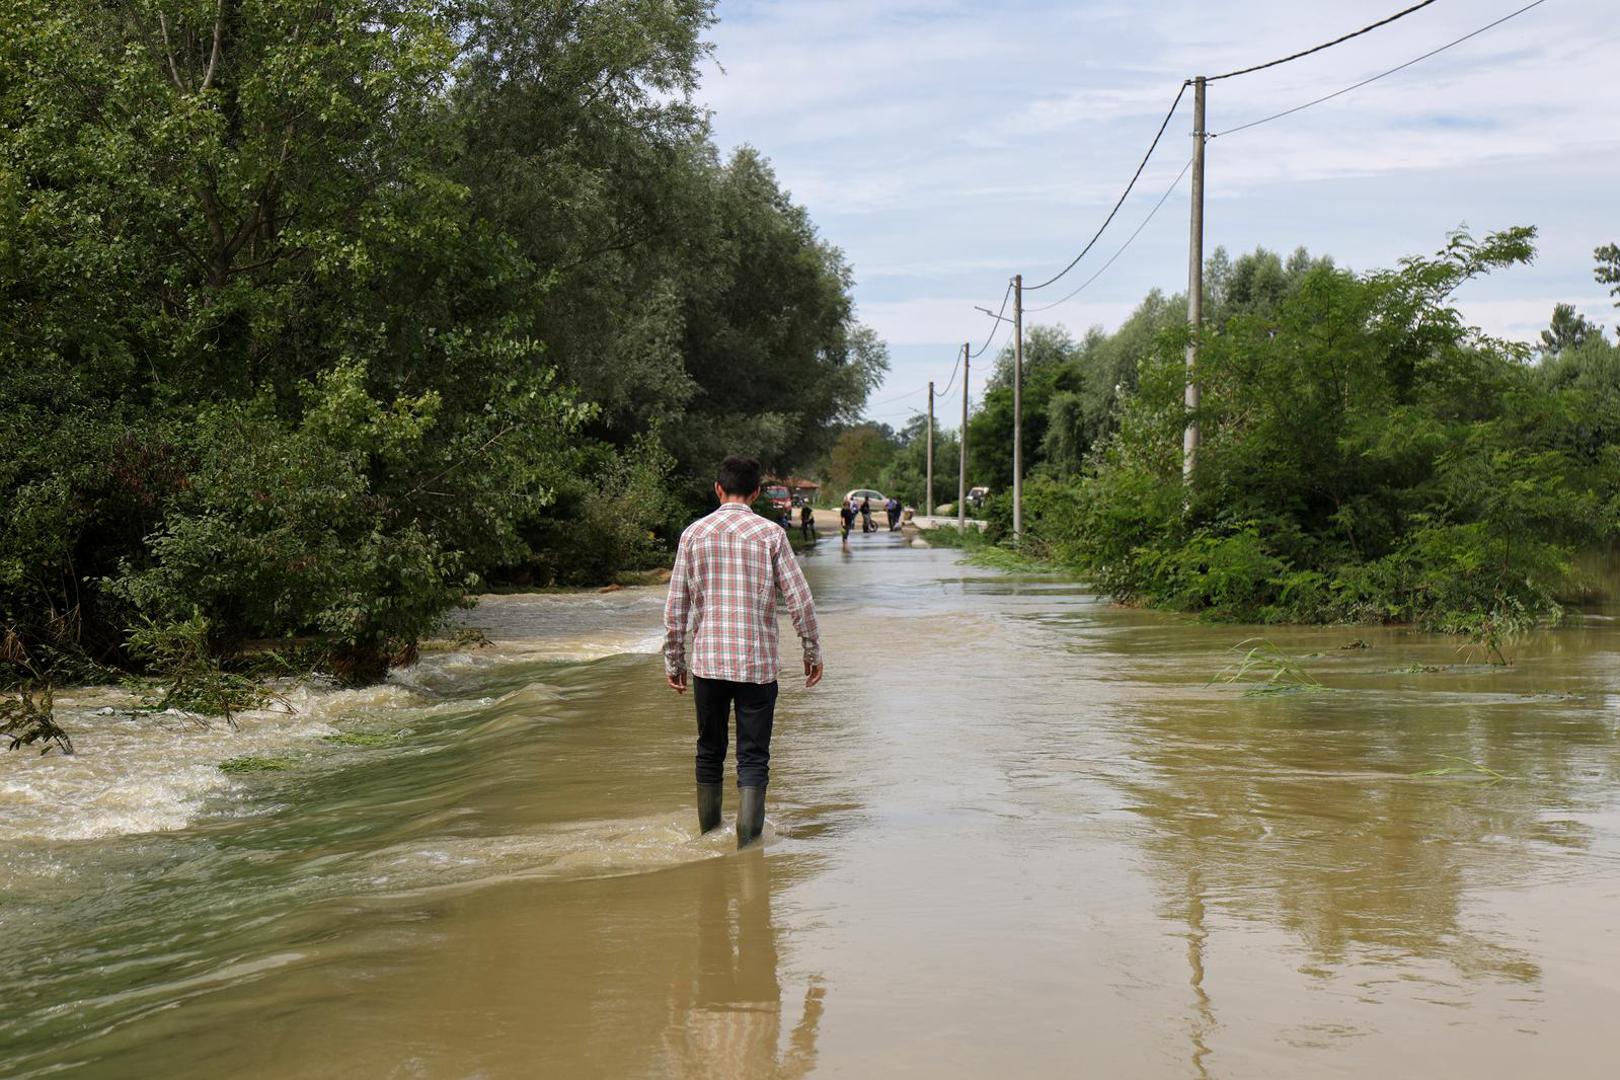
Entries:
{"x":877,"y":497}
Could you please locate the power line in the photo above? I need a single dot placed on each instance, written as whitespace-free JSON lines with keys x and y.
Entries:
{"x":989,"y":339}
{"x":896,"y":397}
{"x":1324,"y":45}
{"x":1380,"y":75}
{"x":1123,"y":195}
{"x":954,"y":370}
{"x":997,"y":326}
{"x":1100,"y":270}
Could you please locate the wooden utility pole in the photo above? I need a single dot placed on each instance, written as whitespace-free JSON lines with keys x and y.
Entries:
{"x":1018,"y":406}
{"x":928,"y":500}
{"x":1195,"y":285}
{"x":961,"y":470}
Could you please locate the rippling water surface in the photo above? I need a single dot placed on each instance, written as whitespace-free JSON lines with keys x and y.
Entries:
{"x":1016,"y":832}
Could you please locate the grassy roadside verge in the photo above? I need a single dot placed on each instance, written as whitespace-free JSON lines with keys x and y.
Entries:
{"x":981,"y":552}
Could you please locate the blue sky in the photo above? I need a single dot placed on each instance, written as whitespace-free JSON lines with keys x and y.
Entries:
{"x":945,"y":146}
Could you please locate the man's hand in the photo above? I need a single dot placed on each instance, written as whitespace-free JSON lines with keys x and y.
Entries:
{"x":812,"y":673}
{"x":676,"y":683}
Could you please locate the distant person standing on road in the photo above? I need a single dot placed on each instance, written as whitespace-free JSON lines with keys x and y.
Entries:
{"x":807,"y":522}
{"x":866,"y":515}
{"x":892,"y":507}
{"x":728,"y":569}
{"x":846,"y":518}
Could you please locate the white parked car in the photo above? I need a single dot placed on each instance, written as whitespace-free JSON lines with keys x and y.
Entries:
{"x":878,"y":499}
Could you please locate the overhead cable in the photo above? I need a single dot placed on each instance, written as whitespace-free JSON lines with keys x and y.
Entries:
{"x":954,"y":370}
{"x":1123,"y":195}
{"x":1380,"y":75}
{"x":993,"y":329}
{"x":896,"y":397}
{"x":1100,"y":270}
{"x":1324,"y":45}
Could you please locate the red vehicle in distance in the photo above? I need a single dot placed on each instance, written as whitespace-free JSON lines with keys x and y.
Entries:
{"x":779,"y":498}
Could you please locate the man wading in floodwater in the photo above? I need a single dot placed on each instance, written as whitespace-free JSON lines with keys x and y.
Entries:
{"x":727,"y":570}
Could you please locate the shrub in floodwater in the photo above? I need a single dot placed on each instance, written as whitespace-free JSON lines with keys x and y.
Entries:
{"x":188,"y":675}
{"x":27,"y":718}
{"x":249,"y":764}
{"x":1267,"y":670}
{"x":1489,"y":630}
{"x":608,"y":509}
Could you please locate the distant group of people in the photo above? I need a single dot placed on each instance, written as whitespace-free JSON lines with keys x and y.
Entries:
{"x":851,"y":510}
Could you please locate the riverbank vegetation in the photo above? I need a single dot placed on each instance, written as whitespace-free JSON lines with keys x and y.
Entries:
{"x":1367,"y":456}
{"x":320,"y":316}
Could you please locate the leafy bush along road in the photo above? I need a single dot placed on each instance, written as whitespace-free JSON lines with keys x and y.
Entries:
{"x":1367,"y":456}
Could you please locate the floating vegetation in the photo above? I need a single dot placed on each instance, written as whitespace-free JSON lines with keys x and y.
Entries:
{"x":1266,"y":669}
{"x":1419,"y":669}
{"x":1464,"y":767}
{"x":250,"y":764}
{"x":363,"y":738}
{"x":1358,"y":643}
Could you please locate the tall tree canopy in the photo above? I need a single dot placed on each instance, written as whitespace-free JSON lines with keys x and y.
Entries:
{"x":318,"y":311}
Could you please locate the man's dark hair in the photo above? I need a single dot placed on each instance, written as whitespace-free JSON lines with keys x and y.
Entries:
{"x":738,"y":475}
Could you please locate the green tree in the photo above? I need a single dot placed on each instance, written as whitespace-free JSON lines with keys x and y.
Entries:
{"x":313,"y":313}
{"x":1568,"y":330}
{"x":906,"y":475}
{"x":858,"y":457}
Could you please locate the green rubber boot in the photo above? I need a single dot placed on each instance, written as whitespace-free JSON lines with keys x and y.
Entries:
{"x":750,"y":816}
{"x":708,"y":796}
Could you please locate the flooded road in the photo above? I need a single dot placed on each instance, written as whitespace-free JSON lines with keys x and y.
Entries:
{"x":1016,"y":832}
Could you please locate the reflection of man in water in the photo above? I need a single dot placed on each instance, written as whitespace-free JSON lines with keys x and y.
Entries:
{"x":728,"y":570}
{"x":727,"y":1022}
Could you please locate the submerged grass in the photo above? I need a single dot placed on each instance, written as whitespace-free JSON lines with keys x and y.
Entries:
{"x":251,"y":764}
{"x":1031,"y":558}
{"x":363,"y":738}
{"x":1266,"y":669}
{"x":1464,"y":768}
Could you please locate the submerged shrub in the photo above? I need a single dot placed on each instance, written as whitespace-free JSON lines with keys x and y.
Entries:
{"x":187,"y":674}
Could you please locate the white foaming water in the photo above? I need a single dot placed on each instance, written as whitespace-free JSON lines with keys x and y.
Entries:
{"x":573,"y":850}
{"x":573,"y":626}
{"x":140,"y":773}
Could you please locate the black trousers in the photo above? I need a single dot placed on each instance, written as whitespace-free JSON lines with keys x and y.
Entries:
{"x":756,"y":709}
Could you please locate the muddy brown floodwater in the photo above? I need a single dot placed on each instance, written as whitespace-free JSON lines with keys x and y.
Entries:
{"x":1017,"y":832}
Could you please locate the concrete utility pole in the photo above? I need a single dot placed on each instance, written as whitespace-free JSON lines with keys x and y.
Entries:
{"x":961,"y":471}
{"x":1018,"y":406}
{"x":1195,"y":284}
{"x":928,"y":500}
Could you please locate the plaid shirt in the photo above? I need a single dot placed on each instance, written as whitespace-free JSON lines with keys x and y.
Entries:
{"x":727,"y":571}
